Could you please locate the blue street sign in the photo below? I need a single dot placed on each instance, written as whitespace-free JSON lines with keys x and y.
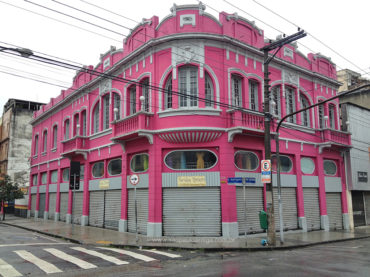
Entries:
{"x":266,"y":172}
{"x":235,"y":180}
{"x":250,"y":180}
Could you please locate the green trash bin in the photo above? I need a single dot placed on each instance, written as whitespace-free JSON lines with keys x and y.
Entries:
{"x":263,"y":220}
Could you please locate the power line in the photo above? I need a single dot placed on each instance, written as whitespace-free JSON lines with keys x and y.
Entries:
{"x":33,"y":79}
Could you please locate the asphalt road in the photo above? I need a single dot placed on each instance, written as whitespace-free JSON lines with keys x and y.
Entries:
{"x":24,"y":253}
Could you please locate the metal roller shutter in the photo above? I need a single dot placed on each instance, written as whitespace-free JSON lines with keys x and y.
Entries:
{"x":96,"y":208}
{"x":142,"y":210}
{"x":52,"y":205}
{"x":63,"y":206}
{"x":367,"y":207}
{"x":42,"y":205}
{"x":253,"y":204}
{"x":112,"y":211}
{"x":290,"y":214}
{"x":334,"y":209}
{"x":312,"y":208}
{"x":33,"y":204}
{"x":192,"y":211}
{"x":77,"y":207}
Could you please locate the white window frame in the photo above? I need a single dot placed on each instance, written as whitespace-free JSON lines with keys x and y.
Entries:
{"x":67,"y":129}
{"x":92,"y":169}
{"x":332,"y":116}
{"x":321,"y":111}
{"x":311,"y":160}
{"x":117,"y":105}
{"x":106,"y":110}
{"x":96,"y":118}
{"x":109,"y":165}
{"x":208,"y":90}
{"x":188,"y":86}
{"x":336,"y":167}
{"x":281,"y":156}
{"x":236,"y":88}
{"x":55,"y":136}
{"x":290,"y":104}
{"x":168,"y":95}
{"x":45,"y":141}
{"x":145,"y":93}
{"x":190,"y":150}
{"x":83,"y":130}
{"x":253,"y":95}
{"x":139,"y":154}
{"x":306,"y":114}
{"x":276,"y":96}
{"x":132,"y":92}
{"x":244,"y":151}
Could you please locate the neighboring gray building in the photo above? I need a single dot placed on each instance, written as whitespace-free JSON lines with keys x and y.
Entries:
{"x":355,"y":114}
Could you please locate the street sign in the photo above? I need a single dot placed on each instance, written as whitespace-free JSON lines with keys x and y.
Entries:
{"x":134,"y":179}
{"x":250,"y":180}
{"x":235,"y":180}
{"x":266,"y":171}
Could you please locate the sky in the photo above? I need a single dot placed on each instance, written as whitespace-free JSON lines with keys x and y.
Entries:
{"x":335,"y":29}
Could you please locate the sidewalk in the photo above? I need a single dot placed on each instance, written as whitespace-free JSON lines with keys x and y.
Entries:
{"x":100,"y":236}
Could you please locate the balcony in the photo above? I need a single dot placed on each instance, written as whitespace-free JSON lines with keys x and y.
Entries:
{"x":132,"y":126}
{"x":336,"y":136}
{"x":75,"y":146}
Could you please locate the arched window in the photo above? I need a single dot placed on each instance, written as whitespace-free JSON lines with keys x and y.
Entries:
{"x":246,"y":160}
{"x":332,"y":116}
{"x":306,"y":114}
{"x":236,"y":88}
{"x":275,"y":91}
{"x":253,"y":95}
{"x":55,"y":136}
{"x":66,"y":129}
{"x":83,"y":128}
{"x":188,"y":83}
{"x":168,"y":93}
{"x":132,"y":99}
{"x":190,"y":159}
{"x":321,"y":116}
{"x":290,"y":103}
{"x":106,"y":111}
{"x":76,"y":124}
{"x":45,"y":141}
{"x":96,"y":115}
{"x":117,"y":106}
{"x":208,"y":90}
{"x":145,"y":93}
{"x":36,"y":145}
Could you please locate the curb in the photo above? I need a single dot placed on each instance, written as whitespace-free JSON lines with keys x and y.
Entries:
{"x":246,"y":249}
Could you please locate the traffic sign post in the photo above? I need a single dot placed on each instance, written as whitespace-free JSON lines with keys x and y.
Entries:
{"x":134,"y":180}
{"x":74,"y":182}
{"x":266,"y":171}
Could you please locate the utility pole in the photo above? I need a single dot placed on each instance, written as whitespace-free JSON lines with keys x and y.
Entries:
{"x":271,"y":233}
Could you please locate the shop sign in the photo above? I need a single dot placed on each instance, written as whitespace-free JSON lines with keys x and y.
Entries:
{"x":104,"y":184}
{"x":191,"y":181}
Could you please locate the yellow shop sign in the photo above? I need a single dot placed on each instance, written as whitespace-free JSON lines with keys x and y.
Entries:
{"x":104,"y":184}
{"x":191,"y":181}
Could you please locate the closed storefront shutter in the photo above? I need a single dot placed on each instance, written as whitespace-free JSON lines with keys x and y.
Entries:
{"x":96,"y":208}
{"x":191,"y":211}
{"x":289,"y":202}
{"x":77,"y":207}
{"x":112,"y":211}
{"x":52,"y":205}
{"x":33,"y":204}
{"x":334,"y":209}
{"x":42,"y":205}
{"x":63,"y":205}
{"x":367,"y":207}
{"x":142,"y":210}
{"x":312,"y":208}
{"x":253,"y":205}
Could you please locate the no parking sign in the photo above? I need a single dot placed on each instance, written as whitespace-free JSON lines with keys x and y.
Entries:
{"x":266,"y":171}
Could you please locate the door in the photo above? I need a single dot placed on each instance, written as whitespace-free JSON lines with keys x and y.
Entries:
{"x":192,"y":211}
{"x":96,"y":208}
{"x":42,"y":205}
{"x":334,"y":210}
{"x":63,"y":206}
{"x":112,"y":209}
{"x":52,"y":205}
{"x":367,"y":207}
{"x":358,"y":206}
{"x":33,"y":204}
{"x":77,"y":207}
{"x":253,"y":205}
{"x":289,"y":203}
{"x":142,"y":210}
{"x":312,"y":208}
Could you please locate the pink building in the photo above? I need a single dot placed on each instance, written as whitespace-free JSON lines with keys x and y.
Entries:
{"x":181,"y":106}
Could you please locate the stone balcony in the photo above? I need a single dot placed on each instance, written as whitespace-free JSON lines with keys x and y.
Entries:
{"x":77,"y":145}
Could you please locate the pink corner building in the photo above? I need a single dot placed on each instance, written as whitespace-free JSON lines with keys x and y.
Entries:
{"x":181,"y":107}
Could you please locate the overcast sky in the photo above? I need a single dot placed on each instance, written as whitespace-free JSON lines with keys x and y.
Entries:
{"x":342,"y":26}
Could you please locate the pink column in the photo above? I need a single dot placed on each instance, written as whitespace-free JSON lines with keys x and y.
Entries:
{"x":70,"y":198}
{"x":344,"y":187}
{"x":228,"y":192}
{"x":124,"y":187}
{"x":57,"y":202}
{"x":29,"y":192}
{"x":47,"y":191}
{"x":85,"y":208}
{"x":300,"y":199}
{"x":38,"y":194}
{"x":155,"y":184}
{"x":322,"y":195}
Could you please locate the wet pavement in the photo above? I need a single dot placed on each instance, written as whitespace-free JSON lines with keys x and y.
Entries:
{"x":88,"y":235}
